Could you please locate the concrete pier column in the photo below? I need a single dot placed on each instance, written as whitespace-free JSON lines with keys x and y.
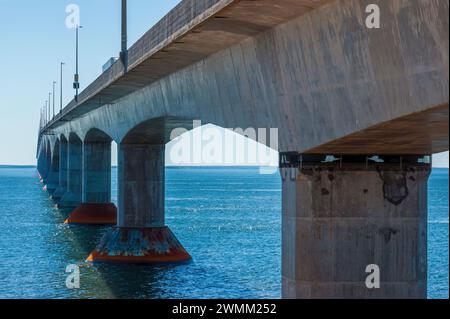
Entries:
{"x":347,"y":221}
{"x":96,"y":207}
{"x":141,"y":235}
{"x":53,"y":174}
{"x":46,"y":162}
{"x":72,"y":197}
{"x":97,"y":173}
{"x":141,"y":177}
{"x":63,"y":172}
{"x":42,"y":165}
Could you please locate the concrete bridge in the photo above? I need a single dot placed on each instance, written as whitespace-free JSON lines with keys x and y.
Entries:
{"x":374,"y":99}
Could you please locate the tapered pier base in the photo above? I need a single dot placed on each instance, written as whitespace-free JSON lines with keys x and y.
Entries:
{"x":94,"y":214}
{"x":69,"y":200}
{"x":140,"y":245}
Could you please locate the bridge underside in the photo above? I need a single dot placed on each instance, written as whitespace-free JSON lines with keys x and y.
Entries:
{"x":193,"y":31}
{"x":420,"y":133}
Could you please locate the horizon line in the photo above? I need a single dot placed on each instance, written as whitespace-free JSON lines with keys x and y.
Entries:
{"x":186,"y":166}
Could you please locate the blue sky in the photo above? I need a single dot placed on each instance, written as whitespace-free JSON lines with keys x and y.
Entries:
{"x":34,"y":42}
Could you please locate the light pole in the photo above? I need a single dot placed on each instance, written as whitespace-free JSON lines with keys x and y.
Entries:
{"x":47,"y":112}
{"x":124,"y":46}
{"x":61,"y":88}
{"x":76,"y":82}
{"x":49,"y":106}
{"x":54,"y":83}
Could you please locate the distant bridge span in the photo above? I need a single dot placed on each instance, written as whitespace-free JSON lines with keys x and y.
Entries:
{"x":310,"y":68}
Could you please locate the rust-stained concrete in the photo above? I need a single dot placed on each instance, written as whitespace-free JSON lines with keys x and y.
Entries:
{"x":139,"y":245}
{"x":96,"y":206}
{"x":93,"y":214}
{"x":141,"y":235}
{"x":337,"y":219}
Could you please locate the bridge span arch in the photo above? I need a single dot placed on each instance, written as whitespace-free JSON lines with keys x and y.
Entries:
{"x":89,"y":178}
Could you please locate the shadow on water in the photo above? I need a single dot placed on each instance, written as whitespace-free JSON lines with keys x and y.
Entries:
{"x":131,"y":281}
{"x":107,"y":280}
{"x":99,"y":280}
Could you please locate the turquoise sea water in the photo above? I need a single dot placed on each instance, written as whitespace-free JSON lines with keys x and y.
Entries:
{"x":227,"y":218}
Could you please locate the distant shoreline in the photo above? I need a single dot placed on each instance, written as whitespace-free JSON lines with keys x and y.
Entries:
{"x":17,"y":166}
{"x":179,"y":167}
{"x":167,"y":166}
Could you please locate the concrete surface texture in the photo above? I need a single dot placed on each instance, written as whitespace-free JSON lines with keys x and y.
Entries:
{"x":337,"y":220}
{"x":319,"y":77}
{"x":72,"y":197}
{"x":63,"y":173}
{"x":329,"y":84}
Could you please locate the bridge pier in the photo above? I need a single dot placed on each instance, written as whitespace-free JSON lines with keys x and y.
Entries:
{"x":62,"y":186}
{"x":53,"y":174}
{"x":47,"y":161}
{"x":141,"y":235}
{"x":42,"y":165}
{"x":72,"y":197}
{"x":96,"y":207}
{"x":340,"y":217}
